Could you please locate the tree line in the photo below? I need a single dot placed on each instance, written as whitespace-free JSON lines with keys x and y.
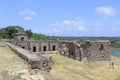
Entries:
{"x":9,"y":32}
{"x":115,"y":41}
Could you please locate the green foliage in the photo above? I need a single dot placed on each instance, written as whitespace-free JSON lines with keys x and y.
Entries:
{"x":115,"y":54}
{"x":4,"y":75}
{"x":79,"y":41}
{"x":3,"y":33}
{"x":4,"y":72}
{"x":16,"y":77}
{"x":36,"y":36}
{"x":115,"y":41}
{"x":9,"y":31}
{"x":29,"y":33}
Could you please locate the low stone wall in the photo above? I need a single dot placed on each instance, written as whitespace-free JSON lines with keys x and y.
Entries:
{"x":34,"y":61}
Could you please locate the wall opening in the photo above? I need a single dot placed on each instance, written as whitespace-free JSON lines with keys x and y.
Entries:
{"x":22,"y":39}
{"x":23,"y":47}
{"x":44,"y":48}
{"x":34,"y":48}
{"x":101,"y":47}
{"x":53,"y":48}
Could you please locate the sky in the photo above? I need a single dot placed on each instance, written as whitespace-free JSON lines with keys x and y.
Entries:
{"x":63,"y":17}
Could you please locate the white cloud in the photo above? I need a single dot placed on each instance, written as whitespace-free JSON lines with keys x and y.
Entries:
{"x":117,"y":22}
{"x":81,"y":28}
{"x":56,"y":30}
{"x":115,"y":28}
{"x":28,"y":14}
{"x":75,"y":24}
{"x":96,"y":23}
{"x":48,"y":31}
{"x":27,"y":18}
{"x":55,"y":24}
{"x":105,"y":10}
{"x":68,"y":22}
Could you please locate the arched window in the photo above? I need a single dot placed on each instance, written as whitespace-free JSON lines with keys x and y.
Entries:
{"x":22,"y":39}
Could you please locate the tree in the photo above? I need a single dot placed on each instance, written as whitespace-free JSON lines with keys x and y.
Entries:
{"x":10,"y":31}
{"x":3,"y":33}
{"x":29,"y":33}
{"x":36,"y":36}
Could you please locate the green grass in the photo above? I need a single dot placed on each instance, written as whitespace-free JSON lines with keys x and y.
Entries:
{"x":5,"y":76}
{"x":115,"y":54}
{"x":17,"y":77}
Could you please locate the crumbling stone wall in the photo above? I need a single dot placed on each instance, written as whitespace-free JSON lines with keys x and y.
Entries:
{"x":96,"y":50}
{"x":23,"y":44}
{"x":34,"y":46}
{"x":34,"y":61}
{"x":21,"y":40}
{"x":88,"y":51}
{"x":21,"y":36}
{"x":63,"y":48}
{"x":78,"y":52}
{"x":69,"y":49}
{"x":37,"y":46}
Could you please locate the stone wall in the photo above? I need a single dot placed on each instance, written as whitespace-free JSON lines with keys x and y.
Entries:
{"x":96,"y":50}
{"x":34,"y":61}
{"x":37,"y":46}
{"x":89,"y":51}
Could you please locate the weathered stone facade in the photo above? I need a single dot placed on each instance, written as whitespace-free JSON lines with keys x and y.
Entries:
{"x":21,"y":36}
{"x":35,"y":45}
{"x":88,"y":51}
{"x":96,"y":50}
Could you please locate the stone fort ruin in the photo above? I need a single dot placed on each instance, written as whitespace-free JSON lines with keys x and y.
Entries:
{"x":89,"y":51}
{"x":21,"y":40}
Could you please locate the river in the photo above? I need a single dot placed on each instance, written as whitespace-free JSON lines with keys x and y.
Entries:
{"x":115,"y":50}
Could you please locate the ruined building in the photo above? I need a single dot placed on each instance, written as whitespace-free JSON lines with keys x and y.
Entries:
{"x":88,"y":51}
{"x":21,"y":40}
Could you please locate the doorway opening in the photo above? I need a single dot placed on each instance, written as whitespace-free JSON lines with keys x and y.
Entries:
{"x":34,"y":48}
{"x":23,"y":47}
{"x":44,"y":48}
{"x":53,"y":48}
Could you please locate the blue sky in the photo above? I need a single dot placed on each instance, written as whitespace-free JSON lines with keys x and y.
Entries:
{"x":63,"y":17}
